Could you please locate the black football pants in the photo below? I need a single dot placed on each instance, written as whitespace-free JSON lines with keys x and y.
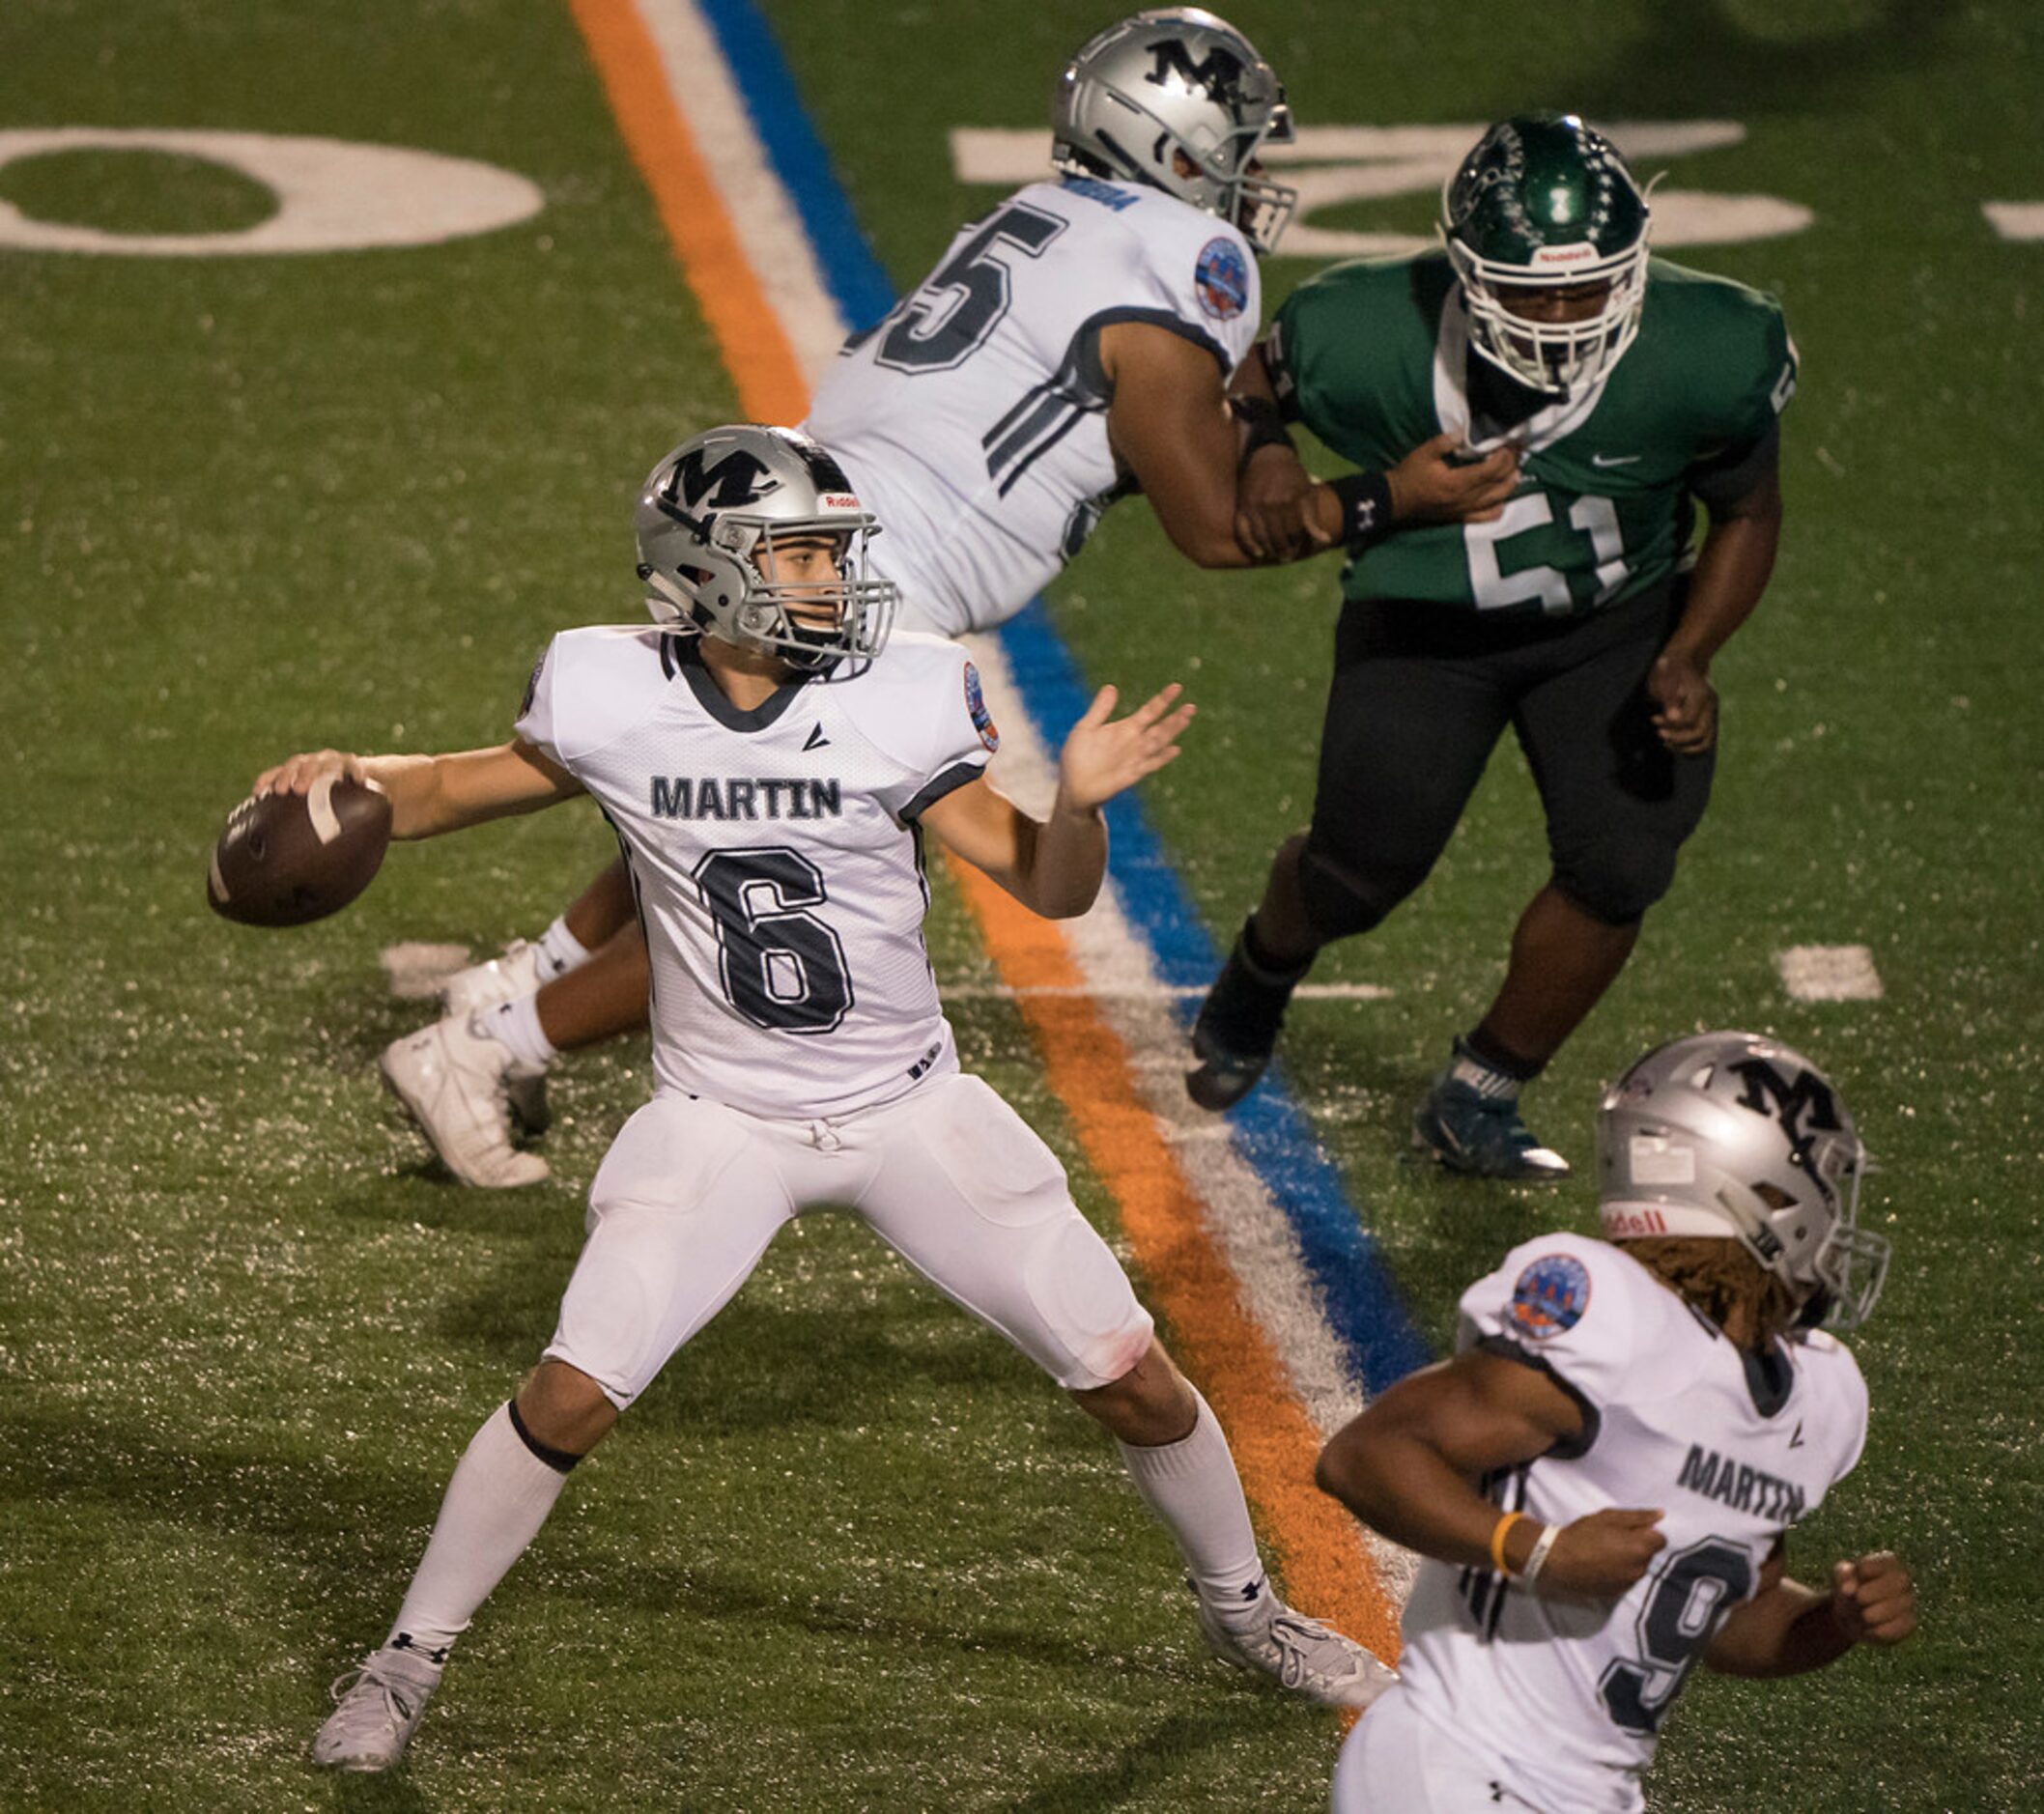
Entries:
{"x":1421,"y":695}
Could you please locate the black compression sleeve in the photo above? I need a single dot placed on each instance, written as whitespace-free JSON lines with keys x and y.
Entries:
{"x":1722,"y":480}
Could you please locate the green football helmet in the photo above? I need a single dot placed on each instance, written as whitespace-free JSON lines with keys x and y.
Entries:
{"x":1544,"y":203}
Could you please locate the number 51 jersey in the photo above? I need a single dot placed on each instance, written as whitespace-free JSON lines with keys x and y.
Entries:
{"x":1565,"y":1698}
{"x":774,"y":855}
{"x":972,"y":419}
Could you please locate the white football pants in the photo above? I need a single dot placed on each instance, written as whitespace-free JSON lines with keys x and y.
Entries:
{"x":951,"y":1177}
{"x":1394,"y":1762}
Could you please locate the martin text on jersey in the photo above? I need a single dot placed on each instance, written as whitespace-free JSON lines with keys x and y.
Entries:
{"x":707,"y":797}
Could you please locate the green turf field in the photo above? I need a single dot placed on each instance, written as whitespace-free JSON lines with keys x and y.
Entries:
{"x":850,"y":1553}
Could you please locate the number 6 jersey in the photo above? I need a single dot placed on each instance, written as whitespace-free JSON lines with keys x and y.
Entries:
{"x":1565,"y":1698}
{"x":776,"y":856}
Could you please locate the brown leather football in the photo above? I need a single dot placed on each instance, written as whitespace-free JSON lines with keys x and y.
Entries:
{"x":286,"y":860}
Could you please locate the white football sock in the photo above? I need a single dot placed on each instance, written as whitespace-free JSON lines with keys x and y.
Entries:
{"x":1192,"y":1486}
{"x":560,"y":951}
{"x":515,"y":1026}
{"x":500,"y":1496}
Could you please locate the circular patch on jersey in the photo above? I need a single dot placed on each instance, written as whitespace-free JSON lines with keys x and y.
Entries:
{"x":1550,"y":1296}
{"x":1221,"y":279}
{"x":976,"y":705}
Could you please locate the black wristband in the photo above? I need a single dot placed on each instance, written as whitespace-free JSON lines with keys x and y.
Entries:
{"x":1265,"y":423}
{"x":1364,"y":498}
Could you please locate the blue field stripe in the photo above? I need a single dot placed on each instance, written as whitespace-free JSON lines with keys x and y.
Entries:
{"x":858,"y":285}
{"x":1363,"y":1304}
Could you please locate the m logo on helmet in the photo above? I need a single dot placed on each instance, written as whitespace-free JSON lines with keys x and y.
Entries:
{"x":738,"y":478}
{"x":1803,"y":1108}
{"x":1220,"y":75}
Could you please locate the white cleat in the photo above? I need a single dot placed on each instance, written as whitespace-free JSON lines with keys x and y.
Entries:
{"x":455,"y":1081}
{"x":377,"y":1709}
{"x":1295,"y":1652}
{"x":515,"y":972}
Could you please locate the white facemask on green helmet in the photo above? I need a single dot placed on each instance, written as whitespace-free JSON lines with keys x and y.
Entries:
{"x":1544,"y":204}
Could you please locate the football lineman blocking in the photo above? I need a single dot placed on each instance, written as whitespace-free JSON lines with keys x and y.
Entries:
{"x":771,"y":773}
{"x":1070,"y":349}
{"x":1603,"y":1478}
{"x":1579,"y":617}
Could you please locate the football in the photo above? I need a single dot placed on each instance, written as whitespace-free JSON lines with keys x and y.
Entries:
{"x":285,"y":860}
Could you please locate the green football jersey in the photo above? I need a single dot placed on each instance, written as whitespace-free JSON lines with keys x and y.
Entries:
{"x":1375,"y":359}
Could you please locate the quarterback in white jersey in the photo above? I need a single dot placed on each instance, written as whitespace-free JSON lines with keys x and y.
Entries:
{"x":1071,"y":348}
{"x":771,"y":766}
{"x":1604,"y":1477}
{"x":781,"y":896}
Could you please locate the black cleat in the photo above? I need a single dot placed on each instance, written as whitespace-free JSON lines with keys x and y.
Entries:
{"x":1237,"y":1028}
{"x":1480,"y":1135}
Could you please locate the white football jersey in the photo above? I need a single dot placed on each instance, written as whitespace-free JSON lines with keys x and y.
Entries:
{"x":774,"y":855}
{"x":972,"y":419}
{"x":1565,"y":1698}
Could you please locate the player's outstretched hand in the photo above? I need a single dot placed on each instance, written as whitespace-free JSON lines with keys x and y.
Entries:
{"x":1431,"y":485}
{"x":1602,"y":1555}
{"x":295,"y":775}
{"x":1105,"y":754}
{"x":1686,"y":703}
{"x":1873,"y":1600}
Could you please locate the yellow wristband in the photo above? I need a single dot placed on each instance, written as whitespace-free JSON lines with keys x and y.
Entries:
{"x":1497,"y":1541}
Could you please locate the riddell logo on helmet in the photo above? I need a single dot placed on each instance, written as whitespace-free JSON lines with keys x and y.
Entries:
{"x":839,"y":500}
{"x":1549,"y":256}
{"x":1622,"y":1224}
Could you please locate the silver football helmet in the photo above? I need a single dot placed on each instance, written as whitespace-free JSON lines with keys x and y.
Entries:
{"x":714,"y":522}
{"x":1732,"y":1134}
{"x":1178,"y":80}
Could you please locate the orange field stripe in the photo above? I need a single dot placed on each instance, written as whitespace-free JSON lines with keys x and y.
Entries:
{"x":748,"y":331}
{"x":1225,"y":1351}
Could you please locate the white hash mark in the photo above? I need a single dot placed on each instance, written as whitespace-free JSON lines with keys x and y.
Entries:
{"x":1829,"y":973}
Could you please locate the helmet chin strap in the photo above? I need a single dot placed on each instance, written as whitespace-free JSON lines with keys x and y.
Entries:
{"x":666,"y":602}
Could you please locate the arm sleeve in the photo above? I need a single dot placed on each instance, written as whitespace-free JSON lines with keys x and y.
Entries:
{"x":537,"y":717}
{"x":1759,"y":370}
{"x":943,"y":735}
{"x":1203,"y":285}
{"x":1846,"y":1414}
{"x":1722,"y":480}
{"x":1284,"y":346}
{"x":1313,"y":335}
{"x":590,"y":687}
{"x":1566,"y":1307}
